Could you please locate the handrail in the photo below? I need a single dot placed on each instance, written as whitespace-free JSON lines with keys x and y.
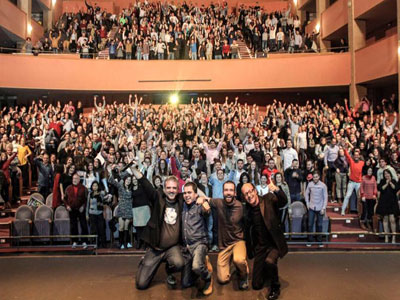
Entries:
{"x":341,"y":233}
{"x":96,"y":54}
{"x":48,"y":236}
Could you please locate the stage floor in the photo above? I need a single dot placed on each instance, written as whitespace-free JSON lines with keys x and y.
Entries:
{"x":319,"y":276}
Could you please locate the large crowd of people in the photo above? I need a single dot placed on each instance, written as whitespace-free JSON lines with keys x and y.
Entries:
{"x":156,"y":30}
{"x":313,"y":152}
{"x":140,"y":159}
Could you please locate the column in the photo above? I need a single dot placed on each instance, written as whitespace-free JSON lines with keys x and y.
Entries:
{"x":47,"y":18}
{"x":357,"y":40}
{"x":321,"y":6}
{"x":398,"y":52}
{"x":26,"y":6}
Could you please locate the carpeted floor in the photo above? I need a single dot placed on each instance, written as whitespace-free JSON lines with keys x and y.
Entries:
{"x":319,"y":276}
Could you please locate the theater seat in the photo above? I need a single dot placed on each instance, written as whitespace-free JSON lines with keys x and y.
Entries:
{"x":42,"y":223}
{"x":49,"y":200}
{"x":108,"y":215}
{"x":297,"y":218}
{"x":61,"y":224}
{"x":21,"y":225}
{"x":36,"y":200}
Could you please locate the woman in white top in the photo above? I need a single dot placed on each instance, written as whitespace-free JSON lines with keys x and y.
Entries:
{"x":262,"y":188}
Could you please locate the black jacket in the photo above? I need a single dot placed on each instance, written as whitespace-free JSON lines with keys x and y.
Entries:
{"x":294,"y":183}
{"x":152,"y":232}
{"x":269,"y":207}
{"x":203,"y":188}
{"x":201,"y":166}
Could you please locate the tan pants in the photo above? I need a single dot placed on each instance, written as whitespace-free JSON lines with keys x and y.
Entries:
{"x":237,"y":253}
{"x":66,"y":46}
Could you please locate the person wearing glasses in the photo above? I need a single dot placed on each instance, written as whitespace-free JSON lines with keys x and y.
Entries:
{"x":264,"y":237}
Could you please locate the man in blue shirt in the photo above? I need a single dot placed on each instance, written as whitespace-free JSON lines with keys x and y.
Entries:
{"x":316,"y":197}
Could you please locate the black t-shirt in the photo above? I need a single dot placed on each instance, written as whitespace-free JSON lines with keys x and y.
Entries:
{"x":171,"y":46}
{"x":171,"y":226}
{"x":262,"y":236}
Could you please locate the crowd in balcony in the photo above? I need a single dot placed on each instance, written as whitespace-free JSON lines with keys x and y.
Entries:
{"x":315,"y":153}
{"x":150,"y":31}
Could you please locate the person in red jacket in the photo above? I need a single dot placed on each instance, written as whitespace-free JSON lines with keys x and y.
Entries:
{"x":356,"y":165}
{"x":56,"y":187}
{"x":270,"y":170}
{"x":75,"y":201}
{"x":5,"y":179}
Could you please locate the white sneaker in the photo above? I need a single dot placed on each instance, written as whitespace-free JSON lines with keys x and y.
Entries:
{"x":308,"y":245}
{"x":84,"y":246}
{"x":342,"y":213}
{"x":129,"y":245}
{"x":74,"y":244}
{"x":122,"y":247}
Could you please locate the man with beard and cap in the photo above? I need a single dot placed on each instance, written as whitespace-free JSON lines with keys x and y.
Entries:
{"x":264,"y":237}
{"x":230,"y":235}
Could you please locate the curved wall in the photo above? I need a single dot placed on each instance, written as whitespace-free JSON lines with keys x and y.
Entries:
{"x":282,"y":72}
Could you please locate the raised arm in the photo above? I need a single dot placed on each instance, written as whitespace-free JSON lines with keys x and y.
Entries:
{"x":145,"y":183}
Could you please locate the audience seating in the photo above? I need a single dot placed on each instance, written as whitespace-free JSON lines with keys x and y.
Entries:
{"x":43,"y":222}
{"x":61,"y":224}
{"x":298,"y":218}
{"x":49,"y":200}
{"x":21,"y":225}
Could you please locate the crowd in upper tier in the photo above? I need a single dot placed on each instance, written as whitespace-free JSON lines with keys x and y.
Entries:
{"x":155,"y":30}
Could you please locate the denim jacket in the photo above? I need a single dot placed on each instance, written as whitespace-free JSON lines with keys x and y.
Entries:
{"x":194,"y":224}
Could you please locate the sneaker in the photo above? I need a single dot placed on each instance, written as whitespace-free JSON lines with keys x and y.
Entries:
{"x":129,"y":245}
{"x":321,"y":245}
{"x":342,"y":213}
{"x":74,"y":244}
{"x":84,"y":245}
{"x":208,"y":287}
{"x":274,"y":293}
{"x":171,"y":281}
{"x":215,"y":248}
{"x":308,"y":245}
{"x":244,"y":284}
{"x":122,"y":247}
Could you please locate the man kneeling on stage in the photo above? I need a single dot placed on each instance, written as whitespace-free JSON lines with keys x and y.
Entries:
{"x":264,"y":238}
{"x":195,"y":241}
{"x":162,"y":233}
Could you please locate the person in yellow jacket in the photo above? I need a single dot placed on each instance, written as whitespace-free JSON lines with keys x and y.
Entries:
{"x":23,"y":154}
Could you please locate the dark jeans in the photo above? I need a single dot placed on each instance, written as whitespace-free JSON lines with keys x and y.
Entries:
{"x":295,"y":197}
{"x":44,"y":191}
{"x":149,"y":264}
{"x":74,"y":216}
{"x":368,"y":209}
{"x":265,"y":268}
{"x":195,"y":265}
{"x":4,"y":191}
{"x":330,"y":176}
{"x":15,"y":186}
{"x":98,"y":226}
{"x":25,"y":175}
{"x":215,"y":226}
{"x":312,"y":214}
